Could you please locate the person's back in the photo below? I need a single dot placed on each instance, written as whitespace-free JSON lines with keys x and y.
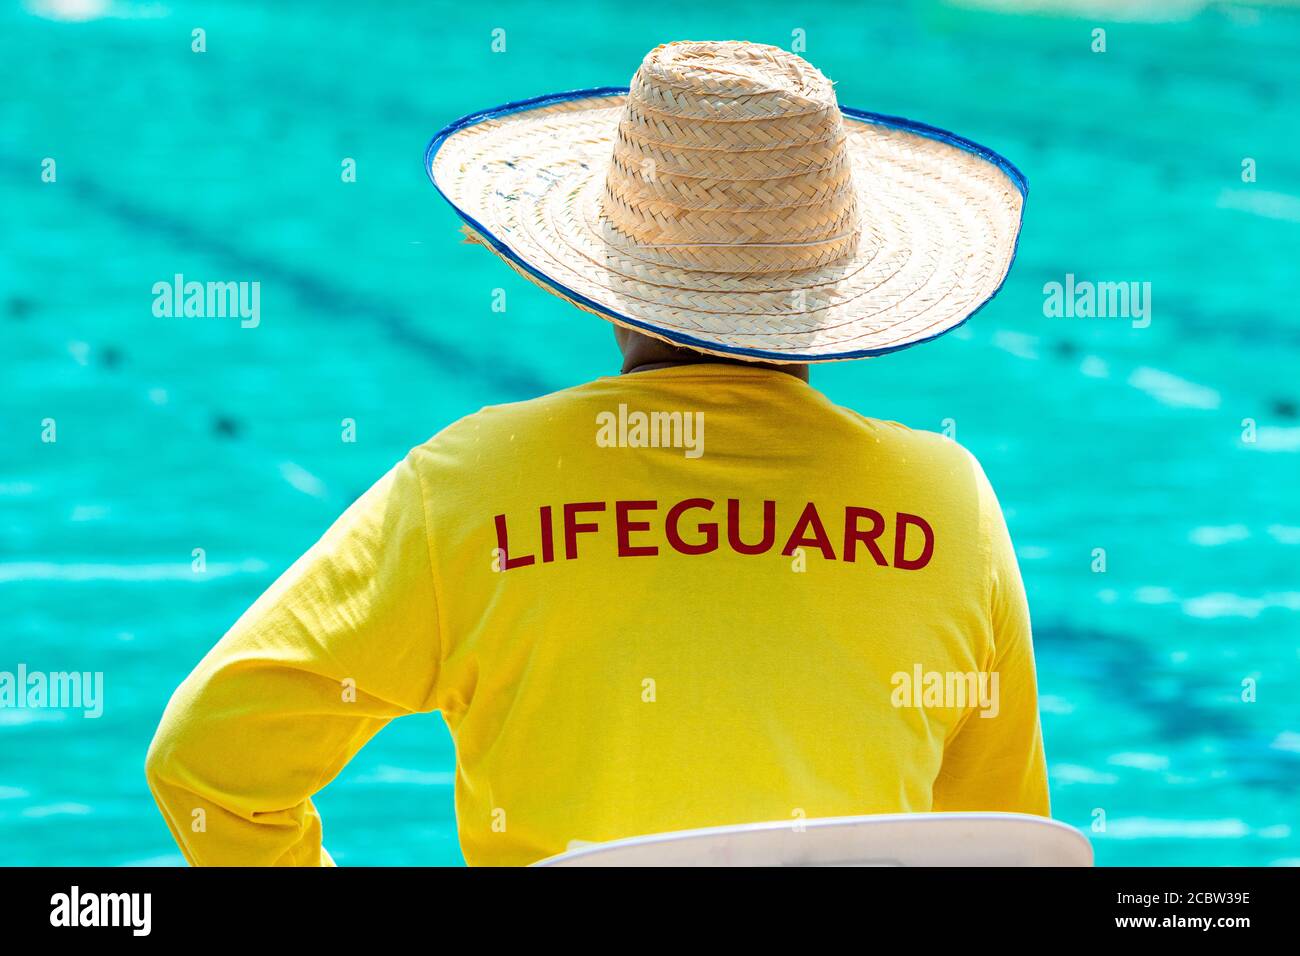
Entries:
{"x":675,"y":641}
{"x":694,"y":594}
{"x":684,"y":597}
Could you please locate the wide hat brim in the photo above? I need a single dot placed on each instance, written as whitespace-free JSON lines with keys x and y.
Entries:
{"x":941,"y":218}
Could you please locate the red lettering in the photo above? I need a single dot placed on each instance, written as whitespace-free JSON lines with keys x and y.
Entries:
{"x":733,"y":528}
{"x":572,"y":527}
{"x":710,"y":529}
{"x":504,"y":547}
{"x":863,"y":528}
{"x":625,"y":527}
{"x":810,"y":519}
{"x":853,"y":534}
{"x":900,"y":542}
{"x":548,"y":537}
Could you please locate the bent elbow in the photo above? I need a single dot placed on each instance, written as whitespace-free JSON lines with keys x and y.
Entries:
{"x":163,"y":763}
{"x":158,"y":761}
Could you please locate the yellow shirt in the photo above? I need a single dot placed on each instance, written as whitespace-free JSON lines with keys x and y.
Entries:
{"x":686,"y":597}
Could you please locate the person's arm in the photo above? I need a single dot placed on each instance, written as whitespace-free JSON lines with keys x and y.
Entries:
{"x":343,"y":642}
{"x":996,"y":762}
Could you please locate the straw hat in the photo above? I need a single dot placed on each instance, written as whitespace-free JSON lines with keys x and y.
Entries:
{"x":726,"y":203}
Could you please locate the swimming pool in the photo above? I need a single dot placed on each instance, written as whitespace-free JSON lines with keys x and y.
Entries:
{"x":1148,"y":469}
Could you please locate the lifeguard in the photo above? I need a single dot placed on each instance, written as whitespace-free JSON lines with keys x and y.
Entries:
{"x":736,"y":227}
{"x":703,"y":525}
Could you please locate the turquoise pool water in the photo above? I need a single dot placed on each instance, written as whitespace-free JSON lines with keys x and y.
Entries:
{"x":176,"y":434}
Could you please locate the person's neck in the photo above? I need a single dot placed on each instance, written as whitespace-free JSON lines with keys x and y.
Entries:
{"x":645,"y":355}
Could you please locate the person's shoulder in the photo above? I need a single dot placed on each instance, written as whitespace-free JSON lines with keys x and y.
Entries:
{"x":912,"y":444}
{"x":512,"y":421}
{"x":925,"y":460}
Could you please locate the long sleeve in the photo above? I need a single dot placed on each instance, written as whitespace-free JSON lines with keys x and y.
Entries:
{"x":343,"y":642}
{"x":996,"y":762}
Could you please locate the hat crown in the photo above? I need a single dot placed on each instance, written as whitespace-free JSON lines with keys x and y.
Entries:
{"x":731,"y":157}
{"x":735,"y":71}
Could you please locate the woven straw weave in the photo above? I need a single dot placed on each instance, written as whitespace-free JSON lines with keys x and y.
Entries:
{"x":726,"y":203}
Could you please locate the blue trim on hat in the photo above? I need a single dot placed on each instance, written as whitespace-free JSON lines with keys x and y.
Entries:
{"x":680,"y":338}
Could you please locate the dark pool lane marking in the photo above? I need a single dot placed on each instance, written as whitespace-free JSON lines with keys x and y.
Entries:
{"x":316,"y":293}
